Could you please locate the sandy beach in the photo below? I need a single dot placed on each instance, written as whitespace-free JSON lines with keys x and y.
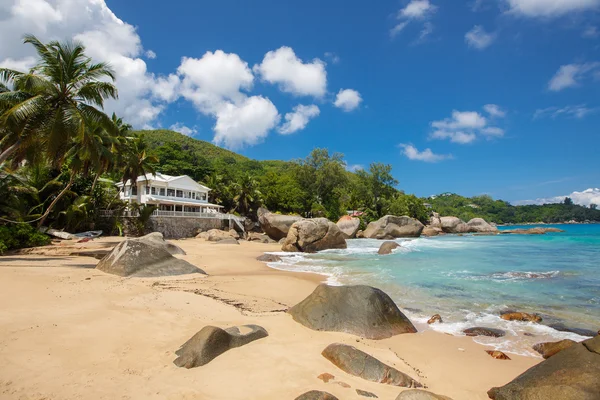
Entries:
{"x":68,"y":331}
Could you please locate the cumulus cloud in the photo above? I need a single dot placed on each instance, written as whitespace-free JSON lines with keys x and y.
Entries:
{"x":584,"y":198}
{"x":478,"y":38}
{"x":334,"y":58}
{"x":412,"y":153}
{"x":571,"y":75}
{"x":576,"y":111}
{"x":465,"y":126}
{"x":106,"y":37}
{"x":591,"y":32}
{"x":550,"y":8}
{"x":298,"y":119}
{"x":181,"y":128}
{"x":282,"y":67}
{"x":347,"y":99}
{"x":247,"y":122}
{"x":416,"y":10}
{"x":150,"y":54}
{"x":494,"y":110}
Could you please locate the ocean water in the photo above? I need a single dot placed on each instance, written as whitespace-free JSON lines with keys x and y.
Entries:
{"x":470,"y":279}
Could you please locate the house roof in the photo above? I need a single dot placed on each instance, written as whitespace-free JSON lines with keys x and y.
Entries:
{"x":158,"y":177}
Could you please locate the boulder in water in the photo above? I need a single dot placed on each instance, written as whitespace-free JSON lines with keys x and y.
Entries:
{"x":360,"y":310}
{"x":316,"y":395}
{"x":418,"y":394}
{"x":349,"y":226}
{"x":435,"y":318}
{"x":276,"y":226}
{"x":146,"y":257}
{"x":429,"y":231}
{"x":454,"y":225}
{"x":393,"y":227}
{"x":549,"y":349}
{"x":269,"y":258}
{"x":211,"y":342}
{"x":480,"y":331}
{"x":312,"y":235}
{"x":521,"y":316}
{"x":358,"y":363}
{"x":387,"y":248}
{"x":572,"y":374}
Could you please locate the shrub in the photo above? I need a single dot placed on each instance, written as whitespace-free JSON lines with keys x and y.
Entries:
{"x":19,"y":236}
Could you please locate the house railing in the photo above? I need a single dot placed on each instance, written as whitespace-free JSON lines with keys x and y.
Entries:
{"x":163,"y":213}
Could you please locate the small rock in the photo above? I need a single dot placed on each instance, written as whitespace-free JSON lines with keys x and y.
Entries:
{"x":480,"y":331}
{"x":343,"y":384}
{"x":326,"y":377}
{"x":87,"y":279}
{"x":498,"y":355}
{"x":521,"y":316}
{"x":417,"y":394}
{"x":435,"y":318}
{"x":316,"y":395}
{"x":364,"y":393}
{"x":227,"y":241}
{"x":549,"y":349}
{"x":387,"y":248}
{"x":269,"y":258}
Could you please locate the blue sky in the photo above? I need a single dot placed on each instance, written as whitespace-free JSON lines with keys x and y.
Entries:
{"x":490,"y":96}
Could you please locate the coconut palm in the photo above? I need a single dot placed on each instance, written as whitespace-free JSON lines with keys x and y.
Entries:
{"x":52,"y":104}
{"x":136,"y":160}
{"x":246,"y":194}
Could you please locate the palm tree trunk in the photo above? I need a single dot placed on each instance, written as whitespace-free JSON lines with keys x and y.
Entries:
{"x":7,"y":153}
{"x":60,"y":195}
{"x":94,"y":184}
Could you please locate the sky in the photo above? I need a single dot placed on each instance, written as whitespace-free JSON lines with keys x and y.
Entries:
{"x":497,"y":97}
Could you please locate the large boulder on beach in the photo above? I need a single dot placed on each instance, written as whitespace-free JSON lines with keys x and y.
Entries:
{"x":387,"y":248}
{"x":392,"y":227}
{"x":418,"y":394}
{"x":572,"y":374}
{"x":454,"y":225}
{"x":430,"y":232}
{"x":276,"y":226}
{"x":359,"y":310}
{"x":480,"y":225}
{"x":358,"y":363}
{"x":349,"y":226}
{"x":147,"y":256}
{"x":211,"y":342}
{"x":217,"y":235}
{"x":435,"y":221}
{"x":259,"y":237}
{"x":312,"y":235}
{"x":548,"y":349}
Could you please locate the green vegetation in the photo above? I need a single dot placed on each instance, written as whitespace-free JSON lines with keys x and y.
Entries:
{"x":18,"y":236}
{"x":501,"y":212}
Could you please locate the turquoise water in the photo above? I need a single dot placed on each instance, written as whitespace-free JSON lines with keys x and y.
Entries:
{"x":470,"y":279}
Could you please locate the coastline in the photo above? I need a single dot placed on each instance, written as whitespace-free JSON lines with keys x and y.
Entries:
{"x":80,"y":333}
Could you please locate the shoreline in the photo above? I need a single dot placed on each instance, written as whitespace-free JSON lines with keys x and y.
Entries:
{"x":80,"y":333}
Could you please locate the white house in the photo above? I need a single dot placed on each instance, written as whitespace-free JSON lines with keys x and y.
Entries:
{"x":173,"y":195}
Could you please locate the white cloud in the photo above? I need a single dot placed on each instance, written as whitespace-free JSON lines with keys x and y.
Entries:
{"x":299,"y":118}
{"x":416,"y":10}
{"x":465,"y":126}
{"x":576,"y":111}
{"x":181,"y":128}
{"x":106,"y":37}
{"x":478,"y":38}
{"x":550,"y":8}
{"x":591,"y":32}
{"x":571,"y":75}
{"x":494,"y":110}
{"x":412,"y":153}
{"x":284,"y":68}
{"x":245,"y":123}
{"x":150,"y":54}
{"x":354,"y":167}
{"x":584,"y":198}
{"x":347,"y":99}
{"x":334,"y":58}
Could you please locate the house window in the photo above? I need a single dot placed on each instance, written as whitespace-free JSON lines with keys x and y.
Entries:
{"x":194,"y":195}
{"x":171,"y":192}
{"x":162,"y":191}
{"x":203,"y":196}
{"x":134,"y":190}
{"x":147,"y":189}
{"x":180,"y":193}
{"x":153,"y":190}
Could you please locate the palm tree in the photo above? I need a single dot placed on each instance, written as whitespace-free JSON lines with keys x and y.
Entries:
{"x":53,"y":103}
{"x":137,"y":161}
{"x":246,"y":194}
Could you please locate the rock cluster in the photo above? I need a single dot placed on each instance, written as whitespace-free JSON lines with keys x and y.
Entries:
{"x":276,"y":226}
{"x":147,"y":256}
{"x":521,"y":316}
{"x":531,"y":231}
{"x":211,"y":342}
{"x":312,"y":235}
{"x":359,"y":310}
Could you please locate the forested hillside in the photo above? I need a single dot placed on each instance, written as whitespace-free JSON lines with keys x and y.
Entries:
{"x":502,"y":212}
